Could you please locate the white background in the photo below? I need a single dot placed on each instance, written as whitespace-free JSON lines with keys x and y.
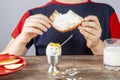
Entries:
{"x":12,"y":10}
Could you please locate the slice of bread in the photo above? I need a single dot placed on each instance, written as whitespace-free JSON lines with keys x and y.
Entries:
{"x":65,"y":22}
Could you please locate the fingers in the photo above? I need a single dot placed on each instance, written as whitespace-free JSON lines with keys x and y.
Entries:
{"x":41,"y":19}
{"x":92,"y":39}
{"x":91,"y":25}
{"x":88,"y":30}
{"x":91,"y":30}
{"x":86,"y":34}
{"x":35,"y":25}
{"x":38,"y":22}
{"x":92,"y":18}
{"x":33,"y":31}
{"x":91,"y":21}
{"x":41,"y":16}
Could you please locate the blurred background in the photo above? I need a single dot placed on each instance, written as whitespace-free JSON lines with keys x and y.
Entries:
{"x":12,"y":10}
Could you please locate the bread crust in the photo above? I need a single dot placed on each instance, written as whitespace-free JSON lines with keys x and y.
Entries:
{"x":52,"y":18}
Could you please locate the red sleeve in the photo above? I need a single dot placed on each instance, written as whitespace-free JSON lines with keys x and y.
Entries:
{"x":114,"y":26}
{"x":19,"y":27}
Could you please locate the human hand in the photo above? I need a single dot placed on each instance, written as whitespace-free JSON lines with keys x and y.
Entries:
{"x":33,"y":26}
{"x":91,"y":30}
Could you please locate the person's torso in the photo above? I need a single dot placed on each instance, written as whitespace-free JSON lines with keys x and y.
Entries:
{"x":77,"y":44}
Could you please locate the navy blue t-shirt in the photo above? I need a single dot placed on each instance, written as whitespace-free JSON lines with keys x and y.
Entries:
{"x":77,"y":44}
